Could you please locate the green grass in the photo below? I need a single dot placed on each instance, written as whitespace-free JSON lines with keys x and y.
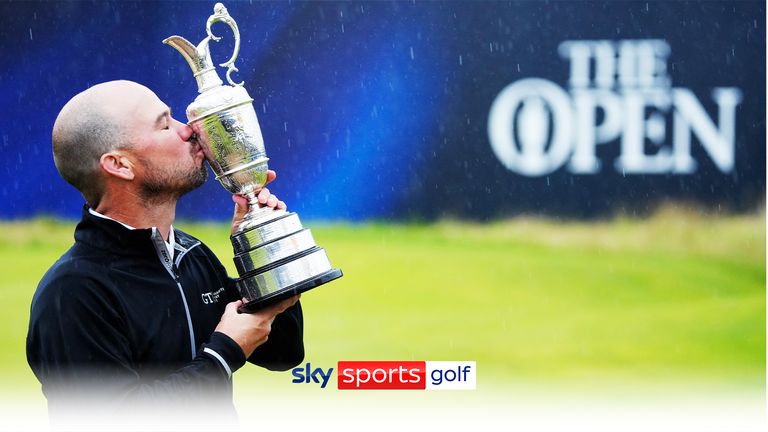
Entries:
{"x":679,"y":297}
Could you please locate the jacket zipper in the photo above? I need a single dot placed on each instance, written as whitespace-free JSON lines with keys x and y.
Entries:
{"x":173,"y":270}
{"x":186,"y":310}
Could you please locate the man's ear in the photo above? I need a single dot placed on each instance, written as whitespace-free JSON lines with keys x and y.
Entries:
{"x":116,"y":164}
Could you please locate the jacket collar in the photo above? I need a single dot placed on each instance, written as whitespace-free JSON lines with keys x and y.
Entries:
{"x":110,"y":235}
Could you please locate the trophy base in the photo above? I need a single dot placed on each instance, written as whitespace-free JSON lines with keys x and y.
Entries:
{"x":291,"y":291}
{"x":278,"y":258}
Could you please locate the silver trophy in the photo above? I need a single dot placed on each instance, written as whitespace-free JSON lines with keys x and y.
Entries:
{"x":276,"y":257}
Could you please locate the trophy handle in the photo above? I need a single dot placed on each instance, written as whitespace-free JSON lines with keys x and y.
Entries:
{"x":220,"y":14}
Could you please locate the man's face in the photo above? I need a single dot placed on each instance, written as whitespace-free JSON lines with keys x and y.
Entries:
{"x":169,"y":163}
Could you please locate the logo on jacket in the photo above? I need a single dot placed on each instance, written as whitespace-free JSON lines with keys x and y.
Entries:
{"x":213,"y":296}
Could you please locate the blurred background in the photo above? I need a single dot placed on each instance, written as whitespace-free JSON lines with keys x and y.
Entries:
{"x":570,"y":193}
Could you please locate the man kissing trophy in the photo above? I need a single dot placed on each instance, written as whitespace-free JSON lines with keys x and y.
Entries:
{"x":276,"y":257}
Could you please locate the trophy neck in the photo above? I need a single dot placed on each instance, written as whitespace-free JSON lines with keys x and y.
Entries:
{"x":257,"y":215}
{"x":207,"y":79}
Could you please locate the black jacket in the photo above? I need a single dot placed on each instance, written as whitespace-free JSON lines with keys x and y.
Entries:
{"x":115,"y":316}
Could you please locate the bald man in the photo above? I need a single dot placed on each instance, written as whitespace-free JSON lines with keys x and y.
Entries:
{"x":136,"y":311}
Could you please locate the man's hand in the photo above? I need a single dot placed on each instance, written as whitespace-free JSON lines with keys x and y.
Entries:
{"x":250,"y":330}
{"x":266,"y":199}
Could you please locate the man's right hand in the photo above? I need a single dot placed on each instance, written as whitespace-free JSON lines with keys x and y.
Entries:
{"x":266,"y":199}
{"x":250,"y":330}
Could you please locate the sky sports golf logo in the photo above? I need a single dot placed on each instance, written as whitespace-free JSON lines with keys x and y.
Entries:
{"x":393,"y":375}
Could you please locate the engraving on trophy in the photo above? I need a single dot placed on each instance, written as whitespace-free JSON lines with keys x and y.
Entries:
{"x":276,"y":257}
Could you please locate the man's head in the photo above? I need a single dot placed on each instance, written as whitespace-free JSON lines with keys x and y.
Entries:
{"x":119,"y":136}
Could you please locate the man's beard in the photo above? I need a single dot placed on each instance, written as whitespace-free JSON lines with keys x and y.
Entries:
{"x":170,"y":183}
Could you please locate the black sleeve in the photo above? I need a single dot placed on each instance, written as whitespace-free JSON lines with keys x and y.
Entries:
{"x":78,"y":343}
{"x":284,"y":348}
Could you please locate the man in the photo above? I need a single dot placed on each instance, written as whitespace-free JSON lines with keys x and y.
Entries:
{"x":137,"y":312}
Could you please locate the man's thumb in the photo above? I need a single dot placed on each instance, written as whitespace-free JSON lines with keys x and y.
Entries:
{"x":233,"y":306}
{"x":241,"y":207}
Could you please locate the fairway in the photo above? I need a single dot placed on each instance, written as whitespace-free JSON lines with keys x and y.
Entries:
{"x":679,"y":297}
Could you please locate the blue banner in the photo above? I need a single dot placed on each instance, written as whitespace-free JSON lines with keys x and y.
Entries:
{"x":424,"y":110}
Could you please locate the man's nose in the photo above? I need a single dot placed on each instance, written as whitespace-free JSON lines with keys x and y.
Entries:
{"x":185,"y":132}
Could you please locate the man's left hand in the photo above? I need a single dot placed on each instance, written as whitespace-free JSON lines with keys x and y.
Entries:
{"x":266,"y":199}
